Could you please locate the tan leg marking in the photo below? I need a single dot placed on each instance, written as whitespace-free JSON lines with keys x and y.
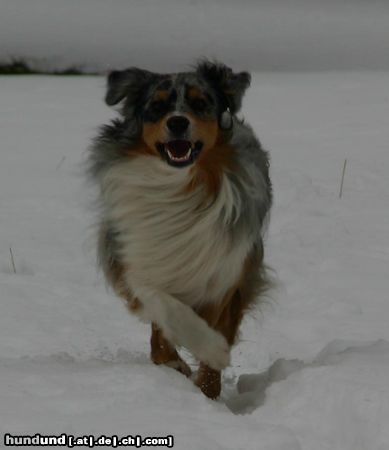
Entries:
{"x":162,"y":352}
{"x":209,"y":381}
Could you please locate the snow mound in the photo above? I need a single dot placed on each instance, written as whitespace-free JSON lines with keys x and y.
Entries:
{"x":339,"y":400}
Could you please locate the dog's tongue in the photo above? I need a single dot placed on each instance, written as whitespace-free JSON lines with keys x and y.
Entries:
{"x":178,"y":148}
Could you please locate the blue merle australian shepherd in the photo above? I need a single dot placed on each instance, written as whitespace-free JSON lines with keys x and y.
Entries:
{"x":185,"y":193}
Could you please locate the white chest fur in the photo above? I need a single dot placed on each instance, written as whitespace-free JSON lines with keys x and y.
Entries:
{"x":175,"y":241}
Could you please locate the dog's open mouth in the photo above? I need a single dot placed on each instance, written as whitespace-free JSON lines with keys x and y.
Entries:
{"x":180,"y":152}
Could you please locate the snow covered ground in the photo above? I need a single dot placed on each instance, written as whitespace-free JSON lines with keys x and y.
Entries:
{"x":312,"y":369}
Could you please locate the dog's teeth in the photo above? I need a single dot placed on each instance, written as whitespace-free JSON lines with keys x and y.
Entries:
{"x":170,"y":155}
{"x":182,"y":158}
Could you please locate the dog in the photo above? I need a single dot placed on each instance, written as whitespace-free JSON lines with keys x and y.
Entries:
{"x":185,"y":195}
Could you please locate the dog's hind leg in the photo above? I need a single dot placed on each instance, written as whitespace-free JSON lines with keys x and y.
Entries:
{"x":162,"y":352}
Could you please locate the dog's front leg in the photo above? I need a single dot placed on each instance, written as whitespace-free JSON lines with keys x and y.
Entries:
{"x":225,"y":318}
{"x":182,"y":326}
{"x":209,"y":381}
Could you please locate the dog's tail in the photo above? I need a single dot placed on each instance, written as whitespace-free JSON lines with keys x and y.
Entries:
{"x":183,"y":327}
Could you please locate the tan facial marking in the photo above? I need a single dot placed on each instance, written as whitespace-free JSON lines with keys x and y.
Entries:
{"x":154,"y":132}
{"x":205,"y":131}
{"x":194,"y":92}
{"x":161,"y":95}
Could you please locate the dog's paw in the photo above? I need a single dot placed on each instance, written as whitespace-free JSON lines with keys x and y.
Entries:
{"x":206,"y":344}
{"x":215,"y":353}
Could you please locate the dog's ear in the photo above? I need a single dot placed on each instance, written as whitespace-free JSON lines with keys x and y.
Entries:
{"x":127,"y":84}
{"x":230,"y":86}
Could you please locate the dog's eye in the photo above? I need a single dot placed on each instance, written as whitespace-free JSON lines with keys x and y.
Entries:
{"x":158,"y":106}
{"x":199,"y":105}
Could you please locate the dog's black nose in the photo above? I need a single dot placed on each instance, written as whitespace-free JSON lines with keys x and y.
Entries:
{"x":177,"y":124}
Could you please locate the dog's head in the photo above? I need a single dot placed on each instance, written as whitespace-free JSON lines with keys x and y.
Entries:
{"x":179,"y":115}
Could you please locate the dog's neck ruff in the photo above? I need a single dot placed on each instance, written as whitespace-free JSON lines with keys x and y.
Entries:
{"x":174,"y":239}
